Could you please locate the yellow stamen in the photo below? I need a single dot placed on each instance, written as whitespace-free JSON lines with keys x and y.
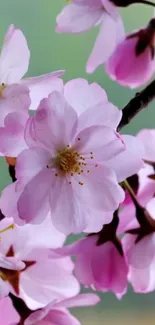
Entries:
{"x":2,"y":87}
{"x":7,"y":228}
{"x":67,"y":161}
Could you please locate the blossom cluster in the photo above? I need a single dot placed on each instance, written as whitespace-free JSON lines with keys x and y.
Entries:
{"x":74,"y":173}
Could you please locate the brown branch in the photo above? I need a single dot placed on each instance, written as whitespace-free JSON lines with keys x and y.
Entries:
{"x":137,"y":104}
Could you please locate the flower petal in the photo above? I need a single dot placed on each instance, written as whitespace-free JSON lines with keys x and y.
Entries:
{"x":12,"y":140}
{"x":100,"y":190}
{"x":85,"y":299}
{"x":130,"y":161}
{"x":10,"y":210}
{"x":68,"y":212}
{"x":40,"y":87}
{"x":81,"y":95}
{"x":147,"y":137}
{"x":15,"y":98}
{"x":101,"y":114}
{"x":77,"y":19}
{"x":8,"y":313}
{"x":102,"y":141}
{"x":40,"y":285}
{"x":30,"y":162}
{"x":33,"y":204}
{"x":52,"y":115}
{"x":15,"y":55}
{"x":106,"y":38}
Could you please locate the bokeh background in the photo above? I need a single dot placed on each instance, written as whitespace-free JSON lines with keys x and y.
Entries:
{"x":51,"y":51}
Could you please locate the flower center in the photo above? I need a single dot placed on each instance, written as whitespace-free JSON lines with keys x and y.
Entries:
{"x":2,"y":87}
{"x":67,"y":161}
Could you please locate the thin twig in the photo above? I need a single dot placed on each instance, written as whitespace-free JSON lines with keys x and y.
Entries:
{"x":137,"y":104}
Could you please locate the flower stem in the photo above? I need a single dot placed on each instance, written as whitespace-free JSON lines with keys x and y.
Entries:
{"x":137,"y":104}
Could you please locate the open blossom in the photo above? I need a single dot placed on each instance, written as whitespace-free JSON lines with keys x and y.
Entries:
{"x":14,"y":62}
{"x":69,"y":167}
{"x":8,"y":315}
{"x":79,"y":16}
{"x":133,"y":63}
{"x":56,"y":313}
{"x":42,"y":279}
{"x":101,"y":266}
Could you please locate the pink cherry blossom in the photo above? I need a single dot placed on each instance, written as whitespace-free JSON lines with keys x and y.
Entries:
{"x":132,"y":64}
{"x":140,"y":251}
{"x":80,"y":16}
{"x":101,"y":267}
{"x":141,"y":257}
{"x":8,"y":314}
{"x":70,"y":168}
{"x":57,"y":314}
{"x":146,"y":185}
{"x":43,"y":279}
{"x":94,"y":112}
{"x":14,"y":62}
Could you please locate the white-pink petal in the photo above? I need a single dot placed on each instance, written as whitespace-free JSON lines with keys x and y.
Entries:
{"x":40,"y":87}
{"x":129,"y":161}
{"x":81,"y":95}
{"x":14,"y":58}
{"x":33,"y":204}
{"x":77,"y":19}
{"x":104,"y":45}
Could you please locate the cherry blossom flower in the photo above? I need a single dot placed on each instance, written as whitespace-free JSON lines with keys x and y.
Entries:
{"x":94,"y":112}
{"x":70,"y":168}
{"x":14,"y":62}
{"x":57,"y":314}
{"x":101,"y":267}
{"x":79,"y":16}
{"x":140,"y":254}
{"x":132,"y":64}
{"x":9,"y":316}
{"x":138,"y":221}
{"x":42,"y":279}
{"x":146,"y":184}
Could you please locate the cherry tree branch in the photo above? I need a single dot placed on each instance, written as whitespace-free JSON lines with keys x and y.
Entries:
{"x":137,"y":104}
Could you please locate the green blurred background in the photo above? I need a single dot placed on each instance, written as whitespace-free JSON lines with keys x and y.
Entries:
{"x":51,"y":51}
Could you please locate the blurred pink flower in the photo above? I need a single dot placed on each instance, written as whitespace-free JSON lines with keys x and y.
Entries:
{"x":133,"y":63}
{"x":8,"y":315}
{"x":57,"y":314}
{"x":100,"y":266}
{"x":81,"y":15}
{"x":42,"y":279}
{"x":14,"y":62}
